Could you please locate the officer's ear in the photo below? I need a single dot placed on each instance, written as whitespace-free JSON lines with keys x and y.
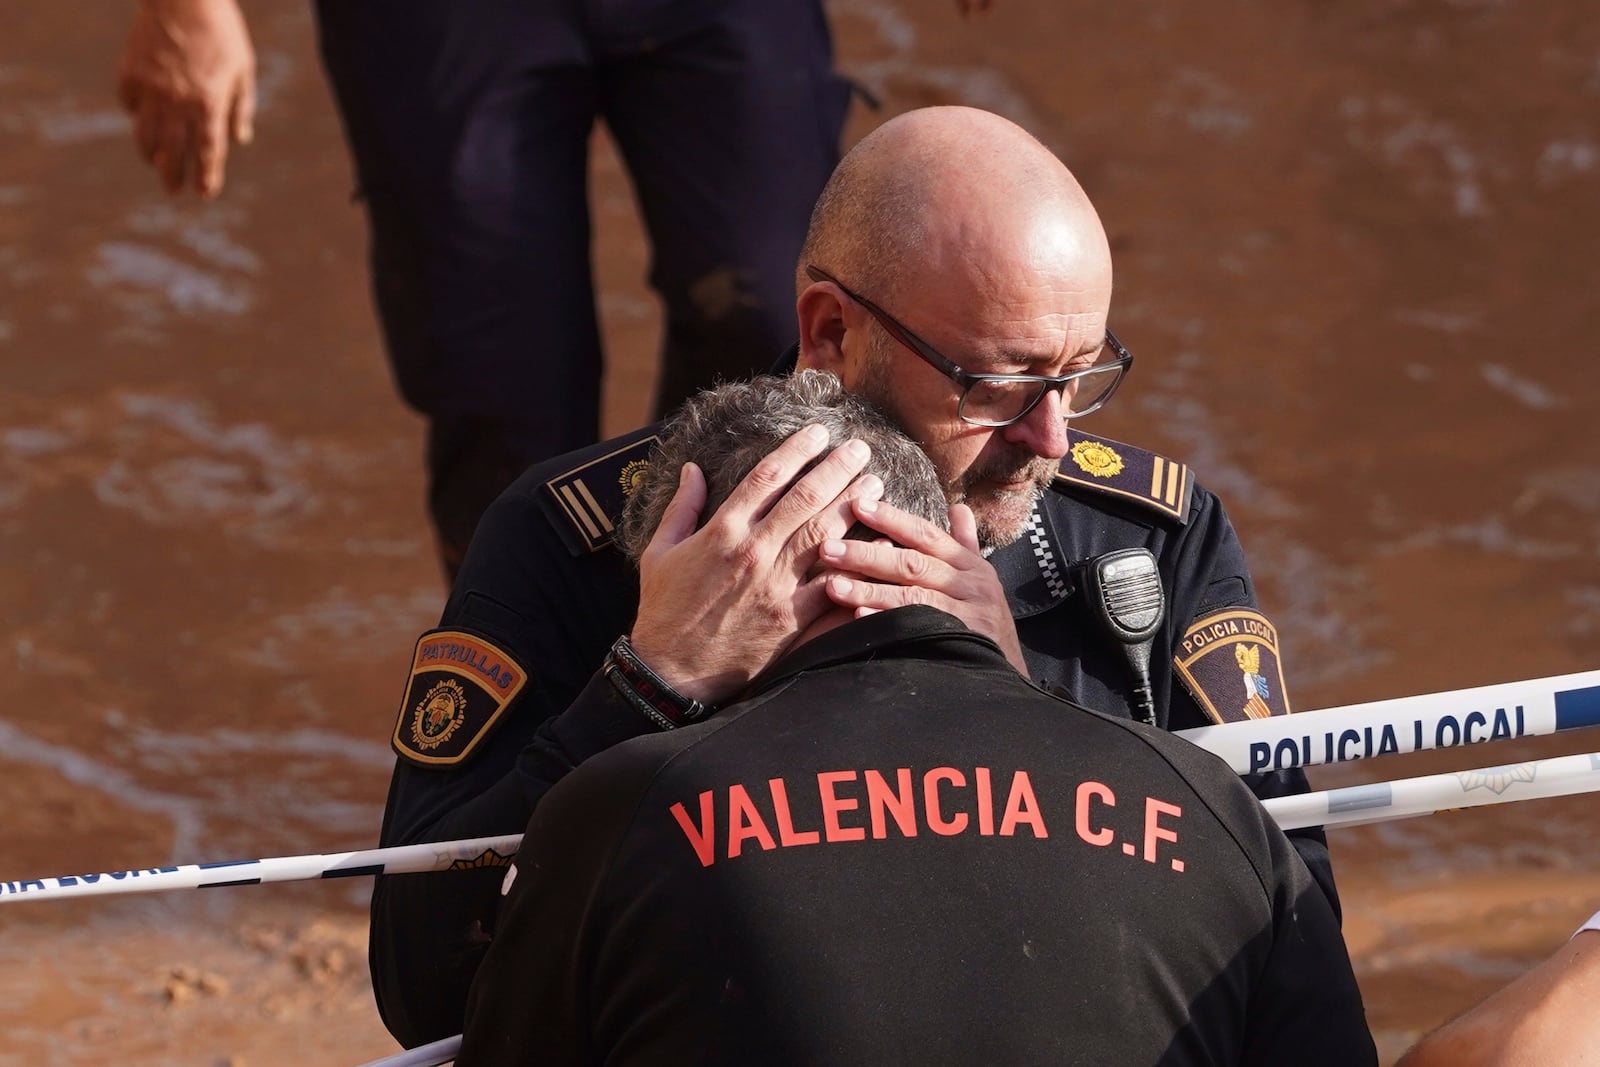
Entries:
{"x":820,"y":310}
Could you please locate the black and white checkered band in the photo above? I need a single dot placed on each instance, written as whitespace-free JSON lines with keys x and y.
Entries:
{"x":1044,"y":554}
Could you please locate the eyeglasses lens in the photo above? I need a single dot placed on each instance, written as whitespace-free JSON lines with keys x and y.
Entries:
{"x":992,"y":402}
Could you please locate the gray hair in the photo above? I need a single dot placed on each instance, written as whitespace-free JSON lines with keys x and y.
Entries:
{"x":729,"y":429}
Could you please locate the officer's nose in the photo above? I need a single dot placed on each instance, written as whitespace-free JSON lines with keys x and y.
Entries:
{"x":1042,"y":431}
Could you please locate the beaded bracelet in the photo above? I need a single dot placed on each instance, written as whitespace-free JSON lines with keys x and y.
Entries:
{"x":647,"y":691}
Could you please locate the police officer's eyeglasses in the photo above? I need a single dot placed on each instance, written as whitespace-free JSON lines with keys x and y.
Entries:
{"x":1002,"y":399}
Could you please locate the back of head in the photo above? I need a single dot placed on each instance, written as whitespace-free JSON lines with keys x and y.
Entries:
{"x":727,"y":430}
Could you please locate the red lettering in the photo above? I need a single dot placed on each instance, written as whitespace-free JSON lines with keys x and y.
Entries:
{"x":930,"y":796}
{"x":745,"y":823}
{"x":980,"y":782}
{"x":1022,"y":807}
{"x":1091,"y":791}
{"x":1153,"y":831}
{"x":699,"y":836}
{"x":832,"y":805}
{"x":901,"y":804}
{"x":786,"y":832}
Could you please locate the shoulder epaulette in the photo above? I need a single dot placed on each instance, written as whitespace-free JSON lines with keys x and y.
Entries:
{"x":589,"y":495}
{"x":1152,"y":482}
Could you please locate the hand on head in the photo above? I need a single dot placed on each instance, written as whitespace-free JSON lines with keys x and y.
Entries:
{"x":718,"y":604}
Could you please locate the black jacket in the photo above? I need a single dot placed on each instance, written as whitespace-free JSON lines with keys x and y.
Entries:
{"x":898,"y":851}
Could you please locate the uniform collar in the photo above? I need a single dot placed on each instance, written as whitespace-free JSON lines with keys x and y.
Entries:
{"x":1034,"y":569}
{"x":917,"y":631}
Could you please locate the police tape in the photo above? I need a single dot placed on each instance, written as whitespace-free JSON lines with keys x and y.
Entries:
{"x":1405,"y":797}
{"x":429,"y":1055}
{"x":1404,"y":724}
{"x":1500,"y":712}
{"x":1349,"y":806}
{"x":399,"y":859}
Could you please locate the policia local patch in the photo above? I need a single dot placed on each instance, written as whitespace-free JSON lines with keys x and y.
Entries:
{"x":1228,"y":661}
{"x":460,"y":685}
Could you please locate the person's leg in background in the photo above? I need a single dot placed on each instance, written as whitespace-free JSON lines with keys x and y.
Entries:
{"x":728,"y":115}
{"x":469,"y":125}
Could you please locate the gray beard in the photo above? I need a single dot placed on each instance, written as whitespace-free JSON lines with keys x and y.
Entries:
{"x":1007,"y":514}
{"x":991,"y":537}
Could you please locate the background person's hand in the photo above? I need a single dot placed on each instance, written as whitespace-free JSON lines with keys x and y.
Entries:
{"x":924,"y":565}
{"x":718,"y":604}
{"x":188,"y":78}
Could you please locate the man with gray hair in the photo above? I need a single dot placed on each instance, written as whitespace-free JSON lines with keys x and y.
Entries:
{"x":895,"y":849}
{"x":728,"y":430}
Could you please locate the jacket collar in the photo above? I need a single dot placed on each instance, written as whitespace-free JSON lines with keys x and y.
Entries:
{"x":914,"y":632}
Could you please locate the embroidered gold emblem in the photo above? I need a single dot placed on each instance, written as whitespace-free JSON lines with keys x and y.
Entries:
{"x":439,"y":714}
{"x":1097,"y":459}
{"x":1256,"y":689}
{"x":632,"y":474}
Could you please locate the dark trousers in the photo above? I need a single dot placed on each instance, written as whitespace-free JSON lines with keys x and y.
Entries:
{"x":469,"y":124}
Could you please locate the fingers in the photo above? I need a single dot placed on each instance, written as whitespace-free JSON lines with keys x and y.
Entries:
{"x":888,"y":563}
{"x":172,"y":156}
{"x":242,"y":119}
{"x":128,"y":93}
{"x":913,"y":531}
{"x":767,"y":506}
{"x":821,"y":486}
{"x":869,"y":597}
{"x":800,"y":552}
{"x":682,"y":516}
{"x":211,"y":152}
{"x":147,"y":128}
{"x":762,"y":487}
{"x":163,"y":136}
{"x":964,"y":527}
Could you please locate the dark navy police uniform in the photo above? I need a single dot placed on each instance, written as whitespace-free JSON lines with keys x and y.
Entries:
{"x":897,"y":850}
{"x":469,"y":126}
{"x":504,"y":697}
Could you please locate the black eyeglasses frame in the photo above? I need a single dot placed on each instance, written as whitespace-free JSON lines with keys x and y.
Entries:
{"x":967,"y":379}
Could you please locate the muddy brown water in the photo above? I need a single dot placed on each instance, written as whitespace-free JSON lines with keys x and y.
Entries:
{"x":1356,"y":259}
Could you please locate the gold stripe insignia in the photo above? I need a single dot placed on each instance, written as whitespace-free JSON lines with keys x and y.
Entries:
{"x":592,"y":495}
{"x":1132,"y":474}
{"x":578,"y":509}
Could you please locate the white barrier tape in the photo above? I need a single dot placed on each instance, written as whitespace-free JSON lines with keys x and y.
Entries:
{"x":401,"y":859}
{"x":1531,"y":708}
{"x":430,"y":1055}
{"x":1405,"y":797}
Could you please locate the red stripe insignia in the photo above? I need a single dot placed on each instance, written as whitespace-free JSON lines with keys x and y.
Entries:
{"x":1229,"y":663}
{"x":460,"y":685}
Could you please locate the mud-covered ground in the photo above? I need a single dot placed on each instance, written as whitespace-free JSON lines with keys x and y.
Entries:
{"x":1355,"y":250}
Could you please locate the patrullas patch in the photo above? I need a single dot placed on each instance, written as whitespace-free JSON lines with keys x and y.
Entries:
{"x":460,"y":685}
